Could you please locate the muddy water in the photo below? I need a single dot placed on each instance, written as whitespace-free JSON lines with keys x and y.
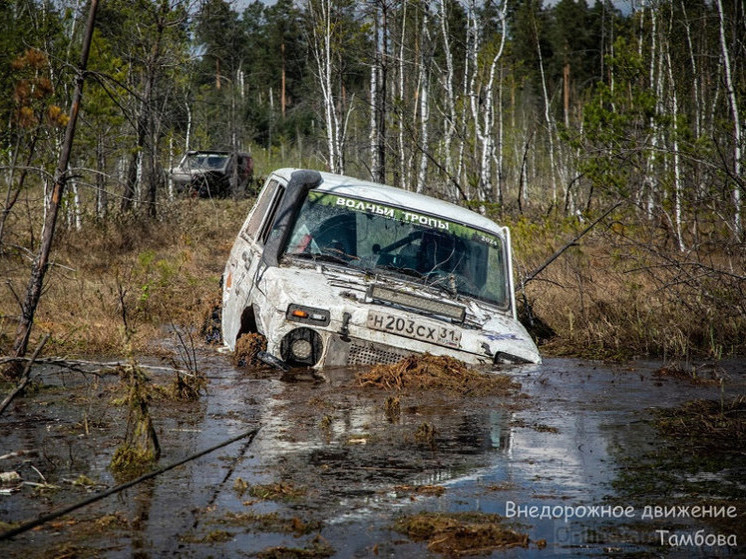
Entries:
{"x":572,"y":459}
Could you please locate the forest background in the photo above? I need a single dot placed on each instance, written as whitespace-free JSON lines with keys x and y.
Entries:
{"x":617,"y":137}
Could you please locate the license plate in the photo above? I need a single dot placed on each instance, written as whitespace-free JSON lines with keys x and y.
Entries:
{"x":412,"y":328}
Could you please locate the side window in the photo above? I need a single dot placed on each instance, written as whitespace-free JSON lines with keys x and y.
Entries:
{"x":261,"y":219}
{"x":270,"y":219}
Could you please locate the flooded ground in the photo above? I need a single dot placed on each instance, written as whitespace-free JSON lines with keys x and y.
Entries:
{"x":572,"y":460}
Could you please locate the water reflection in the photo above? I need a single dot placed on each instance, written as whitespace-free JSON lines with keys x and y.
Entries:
{"x":581,"y":438}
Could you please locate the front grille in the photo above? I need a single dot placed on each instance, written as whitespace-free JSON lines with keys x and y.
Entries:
{"x":369,"y":354}
{"x":378,"y":293}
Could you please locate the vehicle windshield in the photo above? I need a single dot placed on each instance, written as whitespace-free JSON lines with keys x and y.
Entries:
{"x":205,"y":161}
{"x":435,"y":251}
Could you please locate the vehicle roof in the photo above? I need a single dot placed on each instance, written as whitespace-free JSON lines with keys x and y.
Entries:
{"x":215,"y":151}
{"x":357,"y":188}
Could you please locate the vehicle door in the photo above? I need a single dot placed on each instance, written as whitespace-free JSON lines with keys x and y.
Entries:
{"x":241,"y":270}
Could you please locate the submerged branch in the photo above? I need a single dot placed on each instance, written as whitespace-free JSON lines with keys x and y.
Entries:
{"x":79,"y":364}
{"x":26,"y":526}
{"x":25,"y":376}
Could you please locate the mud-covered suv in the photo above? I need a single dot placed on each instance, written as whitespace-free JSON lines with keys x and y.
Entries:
{"x":213,"y":173}
{"x":336,"y":271}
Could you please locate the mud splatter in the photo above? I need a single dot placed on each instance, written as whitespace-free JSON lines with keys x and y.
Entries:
{"x":419,"y":372}
{"x":247,"y":348}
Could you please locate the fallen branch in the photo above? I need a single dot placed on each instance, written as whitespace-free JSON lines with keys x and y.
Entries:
{"x":26,"y":526}
{"x":18,"y":453}
{"x":25,"y":376}
{"x":567,"y":245}
{"x":78,"y":364}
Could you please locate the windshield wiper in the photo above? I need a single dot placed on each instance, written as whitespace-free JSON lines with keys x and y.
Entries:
{"x":428,"y":280}
{"x":411,"y":272}
{"x":321,"y":257}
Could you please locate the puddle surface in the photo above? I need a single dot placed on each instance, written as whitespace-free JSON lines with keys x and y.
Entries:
{"x":329,"y":460}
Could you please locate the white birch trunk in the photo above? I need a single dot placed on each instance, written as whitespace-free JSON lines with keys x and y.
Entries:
{"x":138,"y":183}
{"x":676,"y":157}
{"x":170,"y":166}
{"x":461,"y":121}
{"x":188,"y":139}
{"x":402,"y":151}
{"x":737,"y":225}
{"x":101,"y":194}
{"x":77,"y":218}
{"x":650,"y":182}
{"x":322,"y":51}
{"x":374,"y":102}
{"x":484,"y":126}
{"x":500,"y":161}
{"x":698,"y":105}
{"x":547,"y":118}
{"x":471,"y":69}
{"x":450,"y":125}
{"x":424,"y":109}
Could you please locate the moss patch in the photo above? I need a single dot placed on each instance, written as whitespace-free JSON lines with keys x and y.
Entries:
{"x":461,"y":533}
{"x":318,"y":549}
{"x":271,"y":522}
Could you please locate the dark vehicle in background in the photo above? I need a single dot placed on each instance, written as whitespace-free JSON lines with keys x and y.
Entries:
{"x":208,"y":174}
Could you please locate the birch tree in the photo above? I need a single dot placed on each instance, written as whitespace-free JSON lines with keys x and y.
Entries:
{"x":401,"y":176}
{"x":424,"y":97}
{"x":676,"y":157}
{"x":449,"y":128}
{"x":374,"y":102}
{"x":733,"y":103}
{"x":484,"y":116}
{"x":325,"y":41}
{"x":379,"y":87}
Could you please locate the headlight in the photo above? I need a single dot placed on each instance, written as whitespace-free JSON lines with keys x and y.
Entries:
{"x":301,"y":346}
{"x":307,"y":315}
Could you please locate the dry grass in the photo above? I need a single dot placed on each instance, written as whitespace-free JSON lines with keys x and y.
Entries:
{"x":460,"y":534}
{"x":706,"y":426}
{"x":271,"y":522}
{"x":621,"y":294}
{"x":318,"y":549}
{"x":147,"y":273}
{"x":431,"y":372}
{"x":436,"y":490}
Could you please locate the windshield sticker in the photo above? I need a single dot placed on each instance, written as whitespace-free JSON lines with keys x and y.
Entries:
{"x":368,"y":207}
{"x":399,"y":215}
{"x":406,"y":216}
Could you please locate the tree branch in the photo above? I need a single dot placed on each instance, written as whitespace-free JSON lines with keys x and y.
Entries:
{"x":567,"y":245}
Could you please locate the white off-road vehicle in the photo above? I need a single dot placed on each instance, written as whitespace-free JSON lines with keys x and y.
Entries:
{"x":336,"y":271}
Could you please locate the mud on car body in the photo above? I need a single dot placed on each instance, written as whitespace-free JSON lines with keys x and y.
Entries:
{"x":336,"y":271}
